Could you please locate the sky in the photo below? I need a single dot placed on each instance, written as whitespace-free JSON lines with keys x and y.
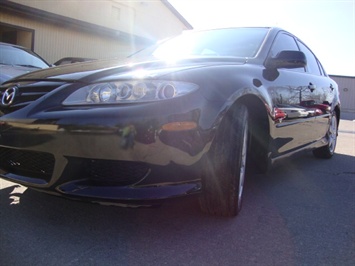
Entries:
{"x":327,"y":27}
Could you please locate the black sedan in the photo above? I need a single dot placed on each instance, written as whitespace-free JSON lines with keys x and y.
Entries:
{"x":193,"y":114}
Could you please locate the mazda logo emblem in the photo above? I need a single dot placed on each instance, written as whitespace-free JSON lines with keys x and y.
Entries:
{"x":9,"y":96}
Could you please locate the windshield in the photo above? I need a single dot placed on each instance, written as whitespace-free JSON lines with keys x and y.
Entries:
{"x":14,"y":56}
{"x":234,"y":42}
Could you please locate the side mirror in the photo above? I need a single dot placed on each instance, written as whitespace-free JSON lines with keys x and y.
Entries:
{"x":287,"y":59}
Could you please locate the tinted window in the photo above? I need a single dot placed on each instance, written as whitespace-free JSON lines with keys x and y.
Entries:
{"x":14,"y":56}
{"x":321,"y":69}
{"x":285,"y":42}
{"x":242,"y":42}
{"x":312,"y":64}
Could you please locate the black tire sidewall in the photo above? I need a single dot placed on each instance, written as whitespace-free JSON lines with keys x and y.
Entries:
{"x":220,"y":182}
{"x":326,"y":152}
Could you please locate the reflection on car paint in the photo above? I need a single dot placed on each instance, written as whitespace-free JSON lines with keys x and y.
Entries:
{"x":154,"y":126}
{"x":128,"y":134}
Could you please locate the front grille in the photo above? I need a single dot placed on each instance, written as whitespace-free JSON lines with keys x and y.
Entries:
{"x":27,"y":163}
{"x":115,"y":172}
{"x":26,"y":93}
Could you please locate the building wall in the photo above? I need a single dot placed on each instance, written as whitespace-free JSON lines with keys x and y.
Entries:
{"x":347,"y":92}
{"x":91,"y":29}
{"x":153,"y":15}
{"x":144,"y":18}
{"x":53,"y":42}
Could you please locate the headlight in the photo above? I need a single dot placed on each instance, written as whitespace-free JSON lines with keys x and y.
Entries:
{"x":125,"y":92}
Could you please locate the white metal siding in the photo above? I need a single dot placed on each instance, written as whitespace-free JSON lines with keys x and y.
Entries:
{"x":147,"y":19}
{"x":54,"y":42}
{"x":347,"y":92}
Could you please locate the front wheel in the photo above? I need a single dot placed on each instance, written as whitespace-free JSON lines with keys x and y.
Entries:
{"x":225,"y":166}
{"x":332,"y":134}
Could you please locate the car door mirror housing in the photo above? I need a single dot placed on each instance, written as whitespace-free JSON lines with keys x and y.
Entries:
{"x":287,"y":59}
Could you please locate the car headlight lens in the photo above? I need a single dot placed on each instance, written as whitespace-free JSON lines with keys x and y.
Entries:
{"x":126,"y":92}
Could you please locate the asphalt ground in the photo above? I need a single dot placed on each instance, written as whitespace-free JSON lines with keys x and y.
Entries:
{"x":300,"y":213}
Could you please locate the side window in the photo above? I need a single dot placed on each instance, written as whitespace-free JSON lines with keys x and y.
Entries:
{"x":321,"y":69}
{"x":284,"y":42}
{"x":312,"y":62}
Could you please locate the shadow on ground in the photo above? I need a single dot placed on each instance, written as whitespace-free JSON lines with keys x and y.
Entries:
{"x":298,"y":213}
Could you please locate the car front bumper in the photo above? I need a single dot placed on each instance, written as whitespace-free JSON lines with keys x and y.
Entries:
{"x":109,"y":158}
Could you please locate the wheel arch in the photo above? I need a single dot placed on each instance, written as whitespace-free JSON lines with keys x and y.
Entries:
{"x":337,"y":113}
{"x":259,"y":130}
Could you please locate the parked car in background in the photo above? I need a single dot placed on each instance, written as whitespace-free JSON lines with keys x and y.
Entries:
{"x":294,"y":111}
{"x":16,"y":60}
{"x":71,"y":60}
{"x":193,"y":114}
{"x":322,"y":107}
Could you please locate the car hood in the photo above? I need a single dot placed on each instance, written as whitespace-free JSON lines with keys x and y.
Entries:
{"x":102,"y":70}
{"x":9,"y":71}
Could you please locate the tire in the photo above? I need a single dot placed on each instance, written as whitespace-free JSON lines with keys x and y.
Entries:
{"x":258,"y":161}
{"x":327,"y":151}
{"x":225,"y":166}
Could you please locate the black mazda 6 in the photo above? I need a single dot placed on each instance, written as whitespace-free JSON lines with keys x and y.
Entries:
{"x":192,"y":114}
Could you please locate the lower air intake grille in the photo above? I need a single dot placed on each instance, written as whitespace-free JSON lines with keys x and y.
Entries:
{"x":27,"y":163}
{"x":116,"y":172}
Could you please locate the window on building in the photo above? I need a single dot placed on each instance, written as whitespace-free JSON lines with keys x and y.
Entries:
{"x":116,"y":13}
